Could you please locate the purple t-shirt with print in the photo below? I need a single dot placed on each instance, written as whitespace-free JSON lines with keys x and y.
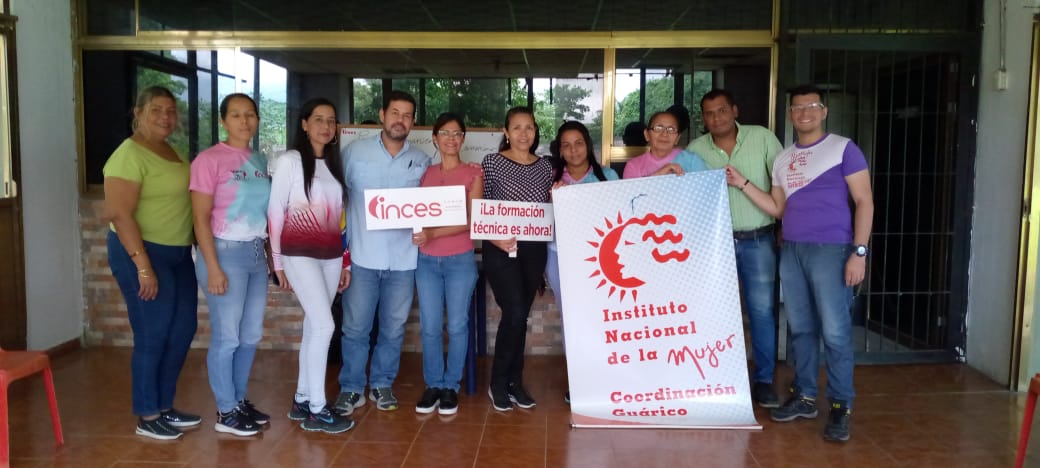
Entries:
{"x":813,"y":180}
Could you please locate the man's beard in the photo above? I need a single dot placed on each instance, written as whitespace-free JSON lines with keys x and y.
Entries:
{"x":397,"y":132}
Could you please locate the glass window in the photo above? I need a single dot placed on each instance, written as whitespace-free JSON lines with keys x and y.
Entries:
{"x":557,"y":100}
{"x":695,"y":86}
{"x":659,"y":94}
{"x":244,"y":66}
{"x":204,"y":59}
{"x":368,"y":99}
{"x":178,"y":85}
{"x":226,"y":61}
{"x":178,"y":55}
{"x":208,"y":113}
{"x":481,"y":102}
{"x":225,"y":86}
{"x":273,"y":109}
{"x":653,"y":80}
{"x":111,"y":80}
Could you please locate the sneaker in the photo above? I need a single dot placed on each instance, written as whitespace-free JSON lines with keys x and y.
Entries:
{"x":299,"y":411}
{"x":764,"y":395}
{"x":157,"y":429}
{"x":347,"y":402}
{"x":837,"y":428}
{"x":449,"y":402}
{"x":429,"y":401}
{"x":327,"y":421}
{"x":178,"y":419}
{"x":518,"y":395}
{"x":567,"y":397}
{"x":797,"y":407}
{"x":236,"y":422}
{"x":383,"y":398}
{"x":500,"y":399}
{"x":247,"y":408}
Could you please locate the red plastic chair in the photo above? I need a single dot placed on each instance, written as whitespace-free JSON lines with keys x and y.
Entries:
{"x":13,"y":366}
{"x":1027,"y":420}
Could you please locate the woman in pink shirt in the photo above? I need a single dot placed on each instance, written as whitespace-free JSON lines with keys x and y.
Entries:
{"x":229,"y":191}
{"x":663,"y":157}
{"x":446,"y":274}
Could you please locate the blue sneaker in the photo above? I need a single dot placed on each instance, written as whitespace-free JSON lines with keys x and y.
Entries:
{"x":383,"y":398}
{"x":327,"y":421}
{"x":797,"y":407}
{"x":247,"y":408}
{"x":299,"y":411}
{"x":837,"y":428}
{"x":347,"y":402}
{"x":178,"y":419}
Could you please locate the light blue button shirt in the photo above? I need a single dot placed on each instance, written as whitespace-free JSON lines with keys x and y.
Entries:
{"x":368,"y":165}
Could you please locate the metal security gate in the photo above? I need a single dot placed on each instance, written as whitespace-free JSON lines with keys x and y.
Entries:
{"x":902,"y":103}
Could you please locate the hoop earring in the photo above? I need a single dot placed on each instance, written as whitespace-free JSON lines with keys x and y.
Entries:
{"x":335,"y":139}
{"x":134,"y":124}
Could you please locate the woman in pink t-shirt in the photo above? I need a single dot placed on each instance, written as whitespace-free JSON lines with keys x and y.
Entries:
{"x":663,"y":157}
{"x":229,"y":191}
{"x":446,"y":274}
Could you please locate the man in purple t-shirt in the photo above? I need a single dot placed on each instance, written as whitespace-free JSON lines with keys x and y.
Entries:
{"x":823,"y":255}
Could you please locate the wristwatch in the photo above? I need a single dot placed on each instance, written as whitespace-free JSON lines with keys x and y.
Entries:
{"x":862,"y":250}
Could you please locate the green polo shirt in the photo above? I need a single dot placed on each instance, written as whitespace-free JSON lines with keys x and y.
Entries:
{"x":164,"y":204}
{"x":753,"y":156}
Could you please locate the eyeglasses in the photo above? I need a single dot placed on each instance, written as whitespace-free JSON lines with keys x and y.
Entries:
{"x":812,"y":106}
{"x":451,"y":133}
{"x":663,"y":129}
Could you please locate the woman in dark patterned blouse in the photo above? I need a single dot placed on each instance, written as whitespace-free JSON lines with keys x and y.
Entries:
{"x":515,"y":173}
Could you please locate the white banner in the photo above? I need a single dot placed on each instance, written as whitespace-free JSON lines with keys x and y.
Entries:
{"x":497,"y":219}
{"x":415,"y":207}
{"x":654,"y":334}
{"x":479,"y":141}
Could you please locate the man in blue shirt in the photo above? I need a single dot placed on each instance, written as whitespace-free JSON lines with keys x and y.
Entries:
{"x":383,"y":261}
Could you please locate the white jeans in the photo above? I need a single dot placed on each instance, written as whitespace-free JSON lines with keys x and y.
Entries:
{"x":314,"y":281}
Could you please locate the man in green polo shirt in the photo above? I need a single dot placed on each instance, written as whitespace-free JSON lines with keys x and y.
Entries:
{"x":751,"y":149}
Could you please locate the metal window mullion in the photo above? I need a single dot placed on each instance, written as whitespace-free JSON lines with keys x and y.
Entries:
{"x":892,"y":241}
{"x":920,"y":182}
{"x":902,"y":194}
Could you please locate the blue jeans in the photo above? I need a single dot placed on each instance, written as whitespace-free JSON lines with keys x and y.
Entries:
{"x":391,"y":291}
{"x":163,"y":327}
{"x":236,"y":318}
{"x":818,"y":303}
{"x":445,"y":283}
{"x":552,"y":274}
{"x":756,"y":268}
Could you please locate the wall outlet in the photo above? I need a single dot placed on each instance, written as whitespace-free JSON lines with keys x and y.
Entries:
{"x":1000,"y":80}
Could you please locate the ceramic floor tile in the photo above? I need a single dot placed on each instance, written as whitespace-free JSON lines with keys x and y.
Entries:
{"x":374,"y":454}
{"x":945,"y":415}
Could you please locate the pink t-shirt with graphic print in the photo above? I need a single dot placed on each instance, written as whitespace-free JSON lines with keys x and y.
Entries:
{"x":237,"y":179}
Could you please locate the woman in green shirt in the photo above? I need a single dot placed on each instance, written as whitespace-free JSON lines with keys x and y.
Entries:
{"x":149,"y":251}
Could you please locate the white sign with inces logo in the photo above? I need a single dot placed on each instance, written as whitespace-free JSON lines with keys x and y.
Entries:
{"x":415,"y":207}
{"x":497,"y":219}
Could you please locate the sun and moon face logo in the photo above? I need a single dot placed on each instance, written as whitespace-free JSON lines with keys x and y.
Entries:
{"x":608,"y":255}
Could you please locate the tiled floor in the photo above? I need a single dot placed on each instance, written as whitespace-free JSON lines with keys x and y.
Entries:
{"x":913,"y":416}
